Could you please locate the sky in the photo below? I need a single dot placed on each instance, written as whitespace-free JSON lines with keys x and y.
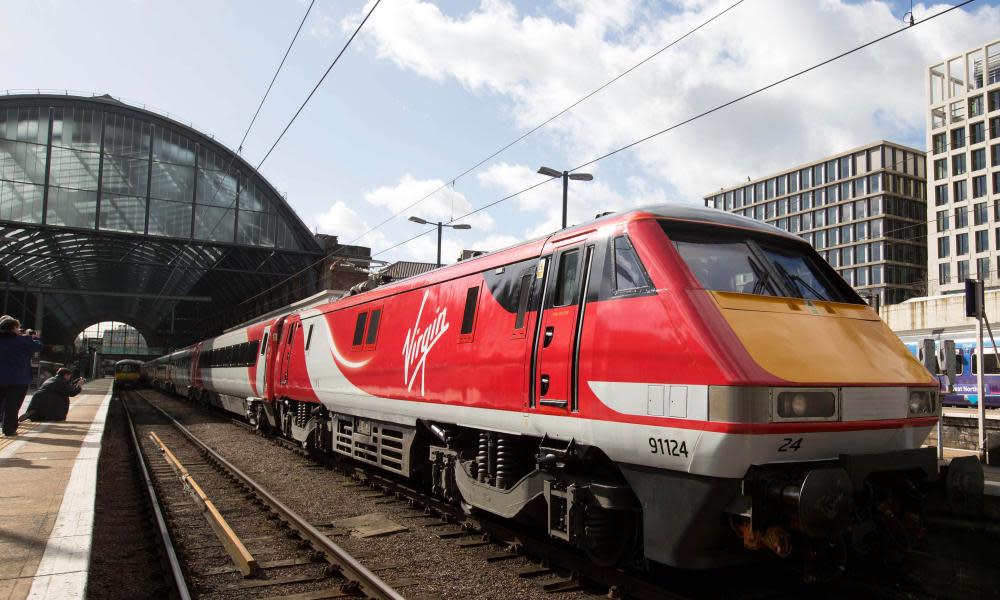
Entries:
{"x":429,"y":89}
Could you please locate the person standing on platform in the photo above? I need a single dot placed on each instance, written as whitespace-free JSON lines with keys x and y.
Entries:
{"x":50,"y":401}
{"x":15,"y":369}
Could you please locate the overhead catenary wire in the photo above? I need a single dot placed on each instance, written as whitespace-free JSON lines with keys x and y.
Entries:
{"x":318,"y":83}
{"x":451,"y":181}
{"x":675,"y":126}
{"x":239,"y":150}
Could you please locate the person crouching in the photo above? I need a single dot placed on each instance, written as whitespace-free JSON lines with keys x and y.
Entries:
{"x":51,"y":401}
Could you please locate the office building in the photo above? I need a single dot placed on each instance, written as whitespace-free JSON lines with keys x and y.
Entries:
{"x":963,"y":135}
{"x":864,"y":210}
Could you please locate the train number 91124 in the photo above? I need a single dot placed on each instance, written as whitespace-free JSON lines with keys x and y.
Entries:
{"x":668,"y":447}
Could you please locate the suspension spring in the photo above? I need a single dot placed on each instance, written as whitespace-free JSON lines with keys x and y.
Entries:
{"x":505,"y":461}
{"x":482,"y":458}
{"x":302,"y":414}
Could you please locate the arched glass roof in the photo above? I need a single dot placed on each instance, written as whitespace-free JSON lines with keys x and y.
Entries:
{"x":115,"y":212}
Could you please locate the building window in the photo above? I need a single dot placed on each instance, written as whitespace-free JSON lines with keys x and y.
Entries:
{"x":994,"y":100}
{"x":958,"y":138}
{"x":941,"y":168}
{"x":979,"y":188}
{"x":996,"y":182}
{"x":983,"y":268}
{"x":944,"y":273}
{"x":960,"y":191}
{"x":961,"y":217}
{"x":995,"y":127}
{"x":979,"y":159}
{"x":874,"y":183}
{"x":961,"y":244}
{"x":944,"y":247}
{"x":979,"y":213}
{"x":958,"y":165}
{"x":982,"y":240}
{"x":963,"y":270}
{"x":957,"y":110}
{"x":940,"y":143}
{"x":995,"y":155}
{"x":975,"y":106}
{"x":862,"y":229}
{"x":977,"y":133}
{"x":942,"y":221}
{"x":941,"y":194}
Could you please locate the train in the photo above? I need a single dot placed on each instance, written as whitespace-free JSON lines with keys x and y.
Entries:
{"x":953,"y":360}
{"x":127,"y":374}
{"x":666,"y":385}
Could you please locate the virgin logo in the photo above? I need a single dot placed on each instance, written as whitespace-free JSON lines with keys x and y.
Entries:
{"x":419,"y":343}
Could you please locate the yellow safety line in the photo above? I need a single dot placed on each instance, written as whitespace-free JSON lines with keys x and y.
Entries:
{"x":244,"y":561}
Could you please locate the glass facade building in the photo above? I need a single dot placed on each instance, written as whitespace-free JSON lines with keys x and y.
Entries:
{"x":864,"y":210}
{"x":963,"y":134}
{"x":98,"y":164}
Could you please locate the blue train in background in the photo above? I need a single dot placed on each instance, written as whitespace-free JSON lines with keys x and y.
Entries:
{"x":952,"y":359}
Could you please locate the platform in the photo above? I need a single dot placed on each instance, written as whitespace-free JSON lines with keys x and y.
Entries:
{"x":47,"y":500}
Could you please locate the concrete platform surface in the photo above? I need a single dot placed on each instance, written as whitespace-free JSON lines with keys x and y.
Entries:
{"x":49,"y":475}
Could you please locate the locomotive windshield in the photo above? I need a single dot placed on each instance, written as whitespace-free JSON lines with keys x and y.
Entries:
{"x":729,"y":260}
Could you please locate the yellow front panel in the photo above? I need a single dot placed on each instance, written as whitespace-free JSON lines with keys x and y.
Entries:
{"x":813,"y":342}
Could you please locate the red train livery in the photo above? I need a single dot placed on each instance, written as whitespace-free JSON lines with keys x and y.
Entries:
{"x":669,"y":384}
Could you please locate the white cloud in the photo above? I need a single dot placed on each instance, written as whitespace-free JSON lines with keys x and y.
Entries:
{"x":541,"y":64}
{"x":443,"y":205}
{"x":341,"y":220}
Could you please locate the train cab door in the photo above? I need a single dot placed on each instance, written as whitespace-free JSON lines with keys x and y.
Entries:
{"x":261,"y":372}
{"x":273,"y":359}
{"x":557,"y":336}
{"x":285,"y":350}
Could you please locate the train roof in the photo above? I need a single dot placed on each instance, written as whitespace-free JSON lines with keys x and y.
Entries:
{"x":712,"y":216}
{"x":128,"y":361}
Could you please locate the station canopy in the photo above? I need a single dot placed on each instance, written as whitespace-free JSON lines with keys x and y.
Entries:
{"x":113,"y":212}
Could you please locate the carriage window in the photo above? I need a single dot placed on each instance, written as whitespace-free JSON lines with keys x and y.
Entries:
{"x":469,"y":316}
{"x":990,"y":360}
{"x":291,"y":334}
{"x":309,"y":337}
{"x":629,"y":274}
{"x":373,"y":327}
{"x":253,"y":351}
{"x":359,"y":328}
{"x":566,"y":282}
{"x":263,"y":345}
{"x":522,"y":301}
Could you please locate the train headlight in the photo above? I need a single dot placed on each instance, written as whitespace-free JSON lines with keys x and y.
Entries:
{"x":922,"y":402}
{"x":806,"y":405}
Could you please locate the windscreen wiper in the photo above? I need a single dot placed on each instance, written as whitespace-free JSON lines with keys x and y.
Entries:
{"x":795,"y":280}
{"x":763,"y":277}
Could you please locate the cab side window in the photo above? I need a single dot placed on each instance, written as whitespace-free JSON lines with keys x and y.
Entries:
{"x":630,"y":276}
{"x":567,"y":290}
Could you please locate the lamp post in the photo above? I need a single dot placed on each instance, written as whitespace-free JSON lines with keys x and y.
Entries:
{"x":440,"y":225}
{"x":566,"y":176}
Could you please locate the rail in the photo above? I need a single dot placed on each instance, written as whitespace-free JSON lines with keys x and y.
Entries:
{"x":177,"y":574}
{"x":368,"y":583}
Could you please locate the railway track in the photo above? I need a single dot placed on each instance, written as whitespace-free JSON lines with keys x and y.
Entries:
{"x":291,"y":557}
{"x":559,"y":569}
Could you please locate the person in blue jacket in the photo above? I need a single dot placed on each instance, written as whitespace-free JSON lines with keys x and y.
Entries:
{"x":15,"y":369}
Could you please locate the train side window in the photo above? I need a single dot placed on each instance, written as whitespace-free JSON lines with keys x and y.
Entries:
{"x":630,"y":276}
{"x":522,"y":300}
{"x":255,"y":345}
{"x":359,"y":329}
{"x":469,"y":314}
{"x":567,"y":290}
{"x":990,"y":359}
{"x":309,"y":336}
{"x":373,"y":329}
{"x":263,"y":345}
{"x":291,"y":334}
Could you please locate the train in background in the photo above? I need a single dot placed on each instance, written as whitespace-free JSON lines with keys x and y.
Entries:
{"x":666,"y":385}
{"x":952,"y":359}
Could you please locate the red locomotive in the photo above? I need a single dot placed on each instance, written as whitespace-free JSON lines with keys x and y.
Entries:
{"x":674,"y":384}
